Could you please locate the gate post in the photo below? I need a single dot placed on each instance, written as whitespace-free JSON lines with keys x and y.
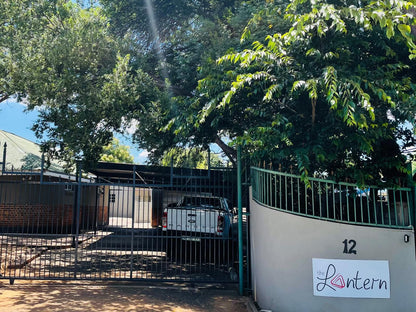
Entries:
{"x":412,"y":206}
{"x":240,"y":222}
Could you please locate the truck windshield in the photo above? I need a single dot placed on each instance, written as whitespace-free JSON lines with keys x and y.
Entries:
{"x":207,"y":202}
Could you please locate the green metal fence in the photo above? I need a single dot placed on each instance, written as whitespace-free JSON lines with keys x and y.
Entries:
{"x":331,"y":201}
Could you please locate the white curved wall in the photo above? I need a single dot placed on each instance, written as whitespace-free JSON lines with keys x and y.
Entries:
{"x":282,"y":248}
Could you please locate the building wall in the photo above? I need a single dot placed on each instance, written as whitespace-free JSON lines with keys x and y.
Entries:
{"x":121,"y":203}
{"x":148,"y":206}
{"x":282,"y":248}
{"x":31,"y":207}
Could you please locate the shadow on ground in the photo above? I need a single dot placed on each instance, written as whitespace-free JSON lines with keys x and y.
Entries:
{"x":40,"y":296}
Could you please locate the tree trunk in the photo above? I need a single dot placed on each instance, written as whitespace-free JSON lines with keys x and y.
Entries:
{"x":229,"y":151}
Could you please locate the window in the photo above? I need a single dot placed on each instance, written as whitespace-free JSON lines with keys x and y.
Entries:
{"x":69,"y":187}
{"x":112,"y":198}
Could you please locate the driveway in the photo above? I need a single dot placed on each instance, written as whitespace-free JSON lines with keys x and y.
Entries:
{"x":40,"y":296}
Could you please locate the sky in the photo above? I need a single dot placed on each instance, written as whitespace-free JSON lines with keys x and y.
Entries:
{"x":14,"y":119}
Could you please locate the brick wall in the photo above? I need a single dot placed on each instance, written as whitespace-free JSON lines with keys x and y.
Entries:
{"x":41,"y":218}
{"x":30,"y":207}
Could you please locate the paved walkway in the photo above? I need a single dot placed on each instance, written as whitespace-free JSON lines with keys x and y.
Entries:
{"x":42,"y":296}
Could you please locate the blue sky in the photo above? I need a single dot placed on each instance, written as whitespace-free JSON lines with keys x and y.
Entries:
{"x":14,"y":119}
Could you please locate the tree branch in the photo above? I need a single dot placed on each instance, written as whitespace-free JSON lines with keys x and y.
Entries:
{"x":175,"y":89}
{"x":4,"y":97}
{"x":413,"y":27}
{"x":229,"y":151}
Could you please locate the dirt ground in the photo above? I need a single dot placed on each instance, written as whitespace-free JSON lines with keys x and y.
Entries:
{"x":41,"y":296}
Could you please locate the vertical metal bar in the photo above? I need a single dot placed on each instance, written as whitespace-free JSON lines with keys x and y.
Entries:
{"x":3,"y":165}
{"x":408,"y":198}
{"x":266,"y":188}
{"x":263,"y":199}
{"x":275,"y":193}
{"x":333,"y":202}
{"x":361,"y":208}
{"x":291,"y":192}
{"x":261,"y":186}
{"x":49,"y":221}
{"x":381,"y":210}
{"x":368,"y":206}
{"x":240,"y":222}
{"x":285,"y":190}
{"x":306,"y":198}
{"x":280,"y":190}
{"x":114,"y":209}
{"x":411,"y":203}
{"x":253,"y":181}
{"x":348,"y":202}
{"x":412,"y":206}
{"x":320,"y":198}
{"x":355,"y":205}
{"x":77,"y":214}
{"x":396,"y":216}
{"x":313,"y":199}
{"x":401,"y":207}
{"x":2,"y":211}
{"x":171,"y":171}
{"x":327,"y":199}
{"x":257,"y":184}
{"x":298,"y":183}
{"x":42,"y":167}
{"x":270,"y":189}
{"x":340,"y":202}
{"x":132,"y":222}
{"x":388,"y":208}
{"x":375,"y":206}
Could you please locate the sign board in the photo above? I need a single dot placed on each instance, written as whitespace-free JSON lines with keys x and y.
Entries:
{"x":351,"y":278}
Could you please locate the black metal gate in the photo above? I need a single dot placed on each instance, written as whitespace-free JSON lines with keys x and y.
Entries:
{"x":55,"y":226}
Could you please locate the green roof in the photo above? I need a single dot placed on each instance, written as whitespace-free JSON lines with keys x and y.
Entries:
{"x":22,"y":154}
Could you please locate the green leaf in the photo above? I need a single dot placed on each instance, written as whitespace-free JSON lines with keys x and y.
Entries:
{"x":404,"y":29}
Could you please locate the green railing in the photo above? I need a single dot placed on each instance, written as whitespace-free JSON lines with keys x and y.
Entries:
{"x":328,"y":200}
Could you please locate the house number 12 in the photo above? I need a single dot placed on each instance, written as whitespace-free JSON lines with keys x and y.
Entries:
{"x":351,"y":249}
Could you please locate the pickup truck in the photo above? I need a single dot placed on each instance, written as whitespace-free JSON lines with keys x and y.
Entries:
{"x":198,"y":218}
{"x":203,"y":215}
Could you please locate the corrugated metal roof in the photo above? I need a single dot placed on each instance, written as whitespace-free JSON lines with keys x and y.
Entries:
{"x":22,"y":154}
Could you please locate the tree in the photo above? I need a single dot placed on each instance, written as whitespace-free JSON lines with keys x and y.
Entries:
{"x":89,"y":84}
{"x":192,"y":34}
{"x":190,"y":158}
{"x":328,"y":96}
{"x":325,"y":92}
{"x":115,"y":152}
{"x":18,"y":40}
{"x":63,"y":60}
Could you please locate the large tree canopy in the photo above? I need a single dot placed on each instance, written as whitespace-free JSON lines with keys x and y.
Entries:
{"x":20,"y":24}
{"x":190,"y":36}
{"x":67,"y":62}
{"x":64,"y":61}
{"x":330,"y":95}
{"x":323,"y":86}
{"x":190,"y":158}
